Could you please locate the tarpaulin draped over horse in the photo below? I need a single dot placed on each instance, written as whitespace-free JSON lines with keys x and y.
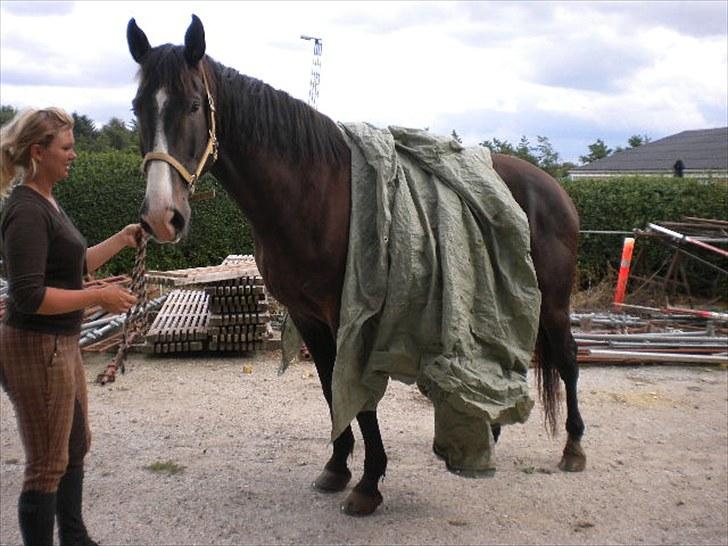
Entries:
{"x":439,"y":289}
{"x":288,"y":168}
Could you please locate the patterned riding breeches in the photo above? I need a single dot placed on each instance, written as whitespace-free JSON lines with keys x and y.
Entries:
{"x":44,"y":378}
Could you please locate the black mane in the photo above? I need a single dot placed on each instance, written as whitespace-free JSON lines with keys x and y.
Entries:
{"x":251,"y":115}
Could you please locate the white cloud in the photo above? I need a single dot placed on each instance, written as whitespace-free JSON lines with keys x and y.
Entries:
{"x":571,"y":71}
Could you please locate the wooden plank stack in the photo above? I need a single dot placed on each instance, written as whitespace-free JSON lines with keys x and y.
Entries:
{"x":217,"y":308}
{"x":181,"y":324}
{"x":204,"y":275}
{"x":238,"y":314}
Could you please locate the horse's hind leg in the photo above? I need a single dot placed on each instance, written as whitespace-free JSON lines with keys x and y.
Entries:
{"x":336,"y":474}
{"x":365,"y":497}
{"x":495,"y":429}
{"x":559,"y":349}
{"x":574,"y":457}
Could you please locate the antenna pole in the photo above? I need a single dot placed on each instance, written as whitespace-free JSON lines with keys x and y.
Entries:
{"x":313,"y":92}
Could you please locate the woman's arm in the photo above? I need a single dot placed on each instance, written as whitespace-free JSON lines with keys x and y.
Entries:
{"x":111,"y":298}
{"x":98,"y":255}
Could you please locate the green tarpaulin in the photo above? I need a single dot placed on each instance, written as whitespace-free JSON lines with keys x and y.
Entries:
{"x":439,"y":290}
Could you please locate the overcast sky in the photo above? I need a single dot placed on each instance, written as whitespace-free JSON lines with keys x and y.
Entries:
{"x":570,"y":71}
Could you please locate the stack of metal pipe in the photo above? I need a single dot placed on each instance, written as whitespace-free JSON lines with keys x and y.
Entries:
{"x":93,"y":331}
{"x":629,"y":339}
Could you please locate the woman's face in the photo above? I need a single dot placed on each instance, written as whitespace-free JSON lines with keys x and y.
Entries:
{"x":54,"y":162}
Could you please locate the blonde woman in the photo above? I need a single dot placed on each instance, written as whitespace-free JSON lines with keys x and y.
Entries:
{"x":41,"y":368}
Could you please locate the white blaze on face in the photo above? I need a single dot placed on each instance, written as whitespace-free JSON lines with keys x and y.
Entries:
{"x":159,"y":177}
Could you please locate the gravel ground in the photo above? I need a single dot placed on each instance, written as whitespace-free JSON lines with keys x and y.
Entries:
{"x":211,"y":450}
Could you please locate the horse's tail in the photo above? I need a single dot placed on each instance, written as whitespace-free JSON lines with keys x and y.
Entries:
{"x":548,"y":380}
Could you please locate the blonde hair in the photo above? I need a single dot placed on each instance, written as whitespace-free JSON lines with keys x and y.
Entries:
{"x":28,"y":127}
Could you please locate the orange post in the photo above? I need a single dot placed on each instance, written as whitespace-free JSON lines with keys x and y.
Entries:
{"x":624,"y":270}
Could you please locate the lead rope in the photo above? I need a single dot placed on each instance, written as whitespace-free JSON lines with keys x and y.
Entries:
{"x":137,"y":317}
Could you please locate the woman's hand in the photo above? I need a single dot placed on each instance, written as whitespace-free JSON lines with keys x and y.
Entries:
{"x":115,"y":299}
{"x":98,"y":255}
{"x":132,"y":235}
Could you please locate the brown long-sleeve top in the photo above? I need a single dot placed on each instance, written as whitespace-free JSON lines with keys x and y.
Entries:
{"x":41,"y":248}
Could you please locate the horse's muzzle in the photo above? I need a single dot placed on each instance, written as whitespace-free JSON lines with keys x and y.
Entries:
{"x":165,"y":225}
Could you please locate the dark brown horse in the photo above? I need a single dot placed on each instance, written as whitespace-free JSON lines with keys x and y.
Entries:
{"x":288,"y":168}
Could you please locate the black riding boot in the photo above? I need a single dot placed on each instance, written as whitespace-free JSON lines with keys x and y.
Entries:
{"x":71,"y":530}
{"x":36,"y":515}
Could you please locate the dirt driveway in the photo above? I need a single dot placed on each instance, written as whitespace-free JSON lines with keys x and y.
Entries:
{"x":223,"y":451}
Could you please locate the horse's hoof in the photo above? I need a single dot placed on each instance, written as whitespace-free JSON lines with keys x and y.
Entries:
{"x":360,"y":504}
{"x":332,"y":482}
{"x":572,"y":464}
{"x":574,"y":458}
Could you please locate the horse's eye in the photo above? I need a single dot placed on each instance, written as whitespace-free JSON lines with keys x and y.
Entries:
{"x":195,"y":106}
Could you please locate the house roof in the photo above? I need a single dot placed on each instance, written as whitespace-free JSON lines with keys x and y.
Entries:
{"x":702,"y":149}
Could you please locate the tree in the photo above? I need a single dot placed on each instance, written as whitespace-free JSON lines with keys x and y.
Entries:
{"x":6,"y":114}
{"x":116,"y":135}
{"x":134,"y":127}
{"x":547,"y":158}
{"x":85,"y":133}
{"x":542,"y":155}
{"x":562,"y":171}
{"x":636,"y":141}
{"x":598,"y":150}
{"x":523,"y":150}
{"x":499,"y":146}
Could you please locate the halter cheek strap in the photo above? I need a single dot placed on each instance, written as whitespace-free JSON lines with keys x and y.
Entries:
{"x":210,"y":150}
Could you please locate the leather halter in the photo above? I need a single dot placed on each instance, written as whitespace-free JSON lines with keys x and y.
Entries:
{"x":211,"y":150}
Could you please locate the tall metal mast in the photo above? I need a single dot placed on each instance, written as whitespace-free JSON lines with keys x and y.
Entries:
{"x":313,"y":92}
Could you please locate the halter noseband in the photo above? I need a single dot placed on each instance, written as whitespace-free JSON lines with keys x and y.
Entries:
{"x":211,"y":149}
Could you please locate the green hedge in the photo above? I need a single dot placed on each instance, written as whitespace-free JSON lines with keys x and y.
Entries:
{"x":628,"y":203}
{"x":104,"y":193}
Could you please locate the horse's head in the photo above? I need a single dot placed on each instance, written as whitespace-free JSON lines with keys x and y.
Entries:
{"x":176,"y":122}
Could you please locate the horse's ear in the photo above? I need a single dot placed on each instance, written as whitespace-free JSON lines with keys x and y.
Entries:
{"x":138,"y":43}
{"x":194,"y":41}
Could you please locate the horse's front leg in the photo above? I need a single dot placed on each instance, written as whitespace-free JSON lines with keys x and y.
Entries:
{"x":365,"y":497}
{"x":336,"y":474}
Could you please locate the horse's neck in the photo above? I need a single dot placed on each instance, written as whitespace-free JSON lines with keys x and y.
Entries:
{"x":267,"y":191}
{"x":298,"y":206}
{"x":259,"y":179}
{"x":300,"y":218}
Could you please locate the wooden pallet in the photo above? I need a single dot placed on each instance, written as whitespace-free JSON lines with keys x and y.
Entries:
{"x":251,"y":288}
{"x":229,"y":319}
{"x":250,"y":332}
{"x":204,"y":275}
{"x":181,"y":324}
{"x":238,"y":310}
{"x":228,"y":313}
{"x":222,"y":345}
